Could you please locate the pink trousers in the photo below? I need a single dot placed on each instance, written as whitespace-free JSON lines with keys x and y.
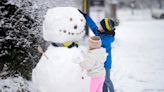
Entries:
{"x":96,"y":84}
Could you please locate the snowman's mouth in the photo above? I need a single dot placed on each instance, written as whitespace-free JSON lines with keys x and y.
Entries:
{"x":71,"y":33}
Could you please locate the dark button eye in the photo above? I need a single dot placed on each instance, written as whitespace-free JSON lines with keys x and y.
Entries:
{"x":64,"y":31}
{"x":70,"y":19}
{"x":75,"y":27}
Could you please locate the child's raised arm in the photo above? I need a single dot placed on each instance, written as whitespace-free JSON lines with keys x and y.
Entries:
{"x":90,"y":23}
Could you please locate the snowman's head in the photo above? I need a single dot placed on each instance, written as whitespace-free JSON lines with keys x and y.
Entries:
{"x":63,"y":24}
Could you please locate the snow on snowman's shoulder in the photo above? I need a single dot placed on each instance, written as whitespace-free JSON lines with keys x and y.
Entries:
{"x":63,"y":52}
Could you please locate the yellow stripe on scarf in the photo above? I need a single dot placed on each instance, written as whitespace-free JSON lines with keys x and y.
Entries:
{"x":66,"y":44}
{"x":107,"y":24}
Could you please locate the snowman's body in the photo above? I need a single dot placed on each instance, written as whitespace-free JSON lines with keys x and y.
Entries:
{"x":59,"y":70}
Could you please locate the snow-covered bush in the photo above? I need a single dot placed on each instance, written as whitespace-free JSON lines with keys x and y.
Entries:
{"x":19,"y":38}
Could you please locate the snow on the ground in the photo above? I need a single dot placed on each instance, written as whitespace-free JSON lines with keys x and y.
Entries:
{"x":138,"y":57}
{"x":138,"y":52}
{"x":16,"y":84}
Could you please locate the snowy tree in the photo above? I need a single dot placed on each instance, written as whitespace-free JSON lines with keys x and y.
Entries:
{"x":19,"y":38}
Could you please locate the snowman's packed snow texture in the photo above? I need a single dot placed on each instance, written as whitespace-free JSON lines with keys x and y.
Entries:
{"x":60,"y":70}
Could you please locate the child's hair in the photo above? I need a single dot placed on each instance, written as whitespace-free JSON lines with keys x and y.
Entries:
{"x":94,"y":42}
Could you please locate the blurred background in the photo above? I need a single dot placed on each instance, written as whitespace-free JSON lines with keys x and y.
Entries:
{"x":138,"y":50}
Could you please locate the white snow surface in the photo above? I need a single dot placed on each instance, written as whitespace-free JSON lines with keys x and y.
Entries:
{"x":16,"y":84}
{"x":138,"y":55}
{"x":138,"y":51}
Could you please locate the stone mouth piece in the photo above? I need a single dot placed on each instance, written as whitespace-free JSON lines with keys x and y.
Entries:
{"x":71,"y":33}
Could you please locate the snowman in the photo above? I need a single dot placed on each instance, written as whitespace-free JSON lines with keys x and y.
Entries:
{"x":58,"y":69}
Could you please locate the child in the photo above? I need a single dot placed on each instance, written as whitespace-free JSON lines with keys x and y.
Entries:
{"x":94,"y":63}
{"x":106,"y":31}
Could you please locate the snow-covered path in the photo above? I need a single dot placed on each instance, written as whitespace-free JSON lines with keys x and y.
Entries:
{"x":138,"y":53}
{"x":138,"y":56}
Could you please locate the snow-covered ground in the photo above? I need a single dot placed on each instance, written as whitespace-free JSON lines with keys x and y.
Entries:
{"x":138,"y":52}
{"x":16,"y":84}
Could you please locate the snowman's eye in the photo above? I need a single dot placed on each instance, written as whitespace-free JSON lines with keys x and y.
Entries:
{"x":69,"y":33}
{"x":70,"y":19}
{"x":81,"y":20}
{"x":75,"y":27}
{"x":64,"y":31}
